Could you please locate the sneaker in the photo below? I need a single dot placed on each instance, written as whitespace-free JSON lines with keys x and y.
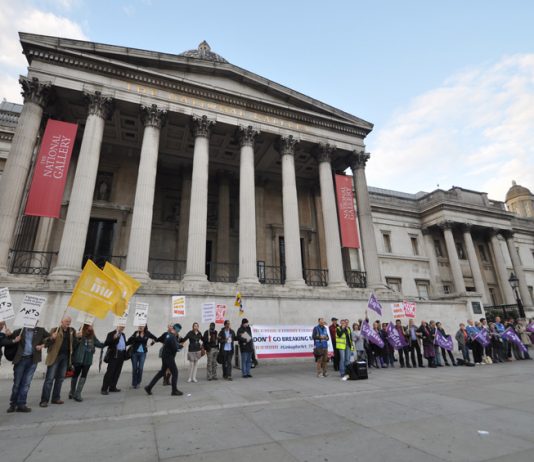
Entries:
{"x":148,"y":390}
{"x":41,"y":404}
{"x":345,"y":378}
{"x":176,"y":393}
{"x":189,"y":380}
{"x":319,"y":375}
{"x":195,"y":381}
{"x":24,"y":409}
{"x":10,"y":409}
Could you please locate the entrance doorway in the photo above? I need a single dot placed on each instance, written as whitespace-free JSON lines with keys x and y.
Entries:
{"x":99,"y":243}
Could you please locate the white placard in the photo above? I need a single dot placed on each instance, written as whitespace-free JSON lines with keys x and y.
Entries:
{"x":6,"y":305}
{"x":208,"y":312}
{"x":30,"y":310}
{"x":397,"y":309}
{"x":121,"y":320}
{"x":141,"y":314}
{"x":178,"y":306}
{"x":85,"y":318}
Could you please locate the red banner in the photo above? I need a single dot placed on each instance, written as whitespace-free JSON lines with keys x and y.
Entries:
{"x":346,"y":212}
{"x":51,"y":169}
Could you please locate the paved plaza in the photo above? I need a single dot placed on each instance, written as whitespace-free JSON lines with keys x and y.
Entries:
{"x":285,"y":413}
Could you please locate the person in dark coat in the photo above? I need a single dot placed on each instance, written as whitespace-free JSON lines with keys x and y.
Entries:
{"x":116,"y":343}
{"x":195,"y":350}
{"x":171,"y":346}
{"x":210,"y":341}
{"x":227,"y":338}
{"x":428,"y":343}
{"x":246,"y":347}
{"x":138,"y":342}
{"x":82,"y":360}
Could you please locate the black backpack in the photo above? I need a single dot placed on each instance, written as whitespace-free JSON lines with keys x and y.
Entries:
{"x":10,"y":351}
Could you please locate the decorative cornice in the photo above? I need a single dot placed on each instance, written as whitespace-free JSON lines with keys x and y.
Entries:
{"x":324,"y":151}
{"x":247,"y":135}
{"x":146,"y":79}
{"x":35,"y":92}
{"x":201,"y":126}
{"x":99,"y":105}
{"x":151,"y":116}
{"x":285,"y":145}
{"x":358,"y":160}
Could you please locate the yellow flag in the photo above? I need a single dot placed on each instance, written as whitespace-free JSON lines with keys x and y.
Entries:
{"x":237,"y":301}
{"x":95,"y":292}
{"x":128,"y":286}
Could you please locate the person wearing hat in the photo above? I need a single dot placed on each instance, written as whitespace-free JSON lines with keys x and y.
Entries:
{"x":171,"y":346}
{"x":211,"y":345}
{"x":246,"y":346}
{"x":333,"y":328}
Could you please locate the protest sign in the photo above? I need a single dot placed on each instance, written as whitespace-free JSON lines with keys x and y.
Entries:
{"x":6,"y":305}
{"x":30,"y":311}
{"x":208,"y":312}
{"x":220,"y":313}
{"x":141,"y":314}
{"x":178,"y":306}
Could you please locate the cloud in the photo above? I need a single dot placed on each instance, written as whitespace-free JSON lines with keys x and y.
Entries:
{"x":474,"y":131}
{"x":24,"y":17}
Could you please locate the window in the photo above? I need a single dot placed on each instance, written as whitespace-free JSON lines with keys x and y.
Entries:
{"x":446,"y":289}
{"x":460,"y":250}
{"x":482,"y":252}
{"x":387,"y":242}
{"x":437,"y":248}
{"x":470,"y":289}
{"x":104,"y":182}
{"x":422,"y":288}
{"x":415,"y":245}
{"x":394,"y":284}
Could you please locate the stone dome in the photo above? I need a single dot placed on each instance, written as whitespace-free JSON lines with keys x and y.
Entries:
{"x":517,"y":191}
{"x":203,"y":52}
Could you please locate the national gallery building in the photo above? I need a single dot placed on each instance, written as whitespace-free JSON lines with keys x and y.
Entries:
{"x":202,"y":179}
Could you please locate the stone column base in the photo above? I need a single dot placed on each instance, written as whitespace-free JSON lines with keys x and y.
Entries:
{"x":247,"y":281}
{"x":338,"y":285}
{"x":61,"y":274}
{"x":296,"y":284}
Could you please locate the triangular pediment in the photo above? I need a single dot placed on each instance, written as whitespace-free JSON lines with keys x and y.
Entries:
{"x":201,"y":68}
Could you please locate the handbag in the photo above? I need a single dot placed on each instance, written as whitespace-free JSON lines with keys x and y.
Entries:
{"x":129,"y":352}
{"x":69,"y":372}
{"x":220,"y":356}
{"x":107,"y":356}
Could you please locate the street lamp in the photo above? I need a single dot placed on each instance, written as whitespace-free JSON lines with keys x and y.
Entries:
{"x":514,"y":284}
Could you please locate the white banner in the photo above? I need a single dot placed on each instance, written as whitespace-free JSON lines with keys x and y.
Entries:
{"x":141,"y":314}
{"x":208,"y":312}
{"x":178,"y":306}
{"x":280,"y":341}
{"x":6,"y":305}
{"x":85,"y":318}
{"x":30,"y":310}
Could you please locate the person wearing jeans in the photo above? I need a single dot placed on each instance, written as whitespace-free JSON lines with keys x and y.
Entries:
{"x":344,"y":345}
{"x":246,"y":346}
{"x":28,"y":355}
{"x":227,"y":338}
{"x":138,"y":341}
{"x":320,"y":347}
{"x":61,"y":345}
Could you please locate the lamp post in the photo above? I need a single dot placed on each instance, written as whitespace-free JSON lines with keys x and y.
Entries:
{"x":514,"y":283}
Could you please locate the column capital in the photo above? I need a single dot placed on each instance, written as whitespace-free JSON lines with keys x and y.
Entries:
{"x":99,"y":105}
{"x":151,"y":116}
{"x":324,"y":152}
{"x":426,"y":231}
{"x":34,"y":91}
{"x":201,"y":126}
{"x":494,"y":232}
{"x":507,"y":234}
{"x":447,"y":224}
{"x":286,"y":145}
{"x":466,"y":227}
{"x":247,"y":135}
{"x":358,"y":160}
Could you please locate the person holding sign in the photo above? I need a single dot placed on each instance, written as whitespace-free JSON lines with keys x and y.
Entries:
{"x":227,"y":338}
{"x":211,"y":345}
{"x":246,"y":347}
{"x":60,"y":344}
{"x":116,"y":343}
{"x":27,"y":356}
{"x":138,"y":343}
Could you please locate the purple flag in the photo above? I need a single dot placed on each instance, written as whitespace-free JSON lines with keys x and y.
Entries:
{"x":374,"y":304}
{"x":443,"y":342}
{"x":482,"y":337}
{"x":530,"y":327}
{"x":396,"y":340}
{"x":510,"y":335}
{"x":371,"y":335}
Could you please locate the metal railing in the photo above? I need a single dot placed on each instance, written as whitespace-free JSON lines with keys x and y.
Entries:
{"x":31,"y":262}
{"x":100,"y":260}
{"x":166,"y":269}
{"x":356,"y":279}
{"x":222,"y":272}
{"x":503,"y":311}
{"x":270,"y":274}
{"x":315,"y":277}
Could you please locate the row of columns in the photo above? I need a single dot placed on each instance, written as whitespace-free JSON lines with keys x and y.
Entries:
{"x":78,"y":214}
{"x":500,"y":264}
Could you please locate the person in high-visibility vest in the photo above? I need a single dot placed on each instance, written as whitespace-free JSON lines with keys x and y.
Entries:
{"x":344,"y":345}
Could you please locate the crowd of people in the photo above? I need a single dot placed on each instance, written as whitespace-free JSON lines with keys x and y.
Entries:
{"x":71,"y":353}
{"x":350,"y":344}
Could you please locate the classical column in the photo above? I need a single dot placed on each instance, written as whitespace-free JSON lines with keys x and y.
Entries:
{"x":454,"y":261}
{"x":198,"y":213}
{"x":81,"y":199}
{"x":336,"y":278}
{"x":290,"y":207}
{"x":19,"y":161}
{"x":141,"y":229}
{"x":500,"y":268}
{"x":435,"y":277}
{"x":223,"y":219}
{"x":518,"y":269}
{"x":365,"y":218}
{"x":185,"y":206}
{"x":247,"y":207}
{"x":473,"y":261}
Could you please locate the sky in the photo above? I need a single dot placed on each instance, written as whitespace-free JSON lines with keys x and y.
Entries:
{"x":449,"y":85}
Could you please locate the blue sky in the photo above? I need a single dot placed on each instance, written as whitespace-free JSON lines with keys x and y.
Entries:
{"x":448,"y":84}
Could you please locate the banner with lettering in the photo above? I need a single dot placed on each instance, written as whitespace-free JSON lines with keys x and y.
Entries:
{"x":284,"y":341}
{"x":6,"y":305}
{"x":51,"y":166}
{"x":178,"y":306}
{"x":346,"y":212}
{"x":141,"y":314}
{"x":30,"y":311}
